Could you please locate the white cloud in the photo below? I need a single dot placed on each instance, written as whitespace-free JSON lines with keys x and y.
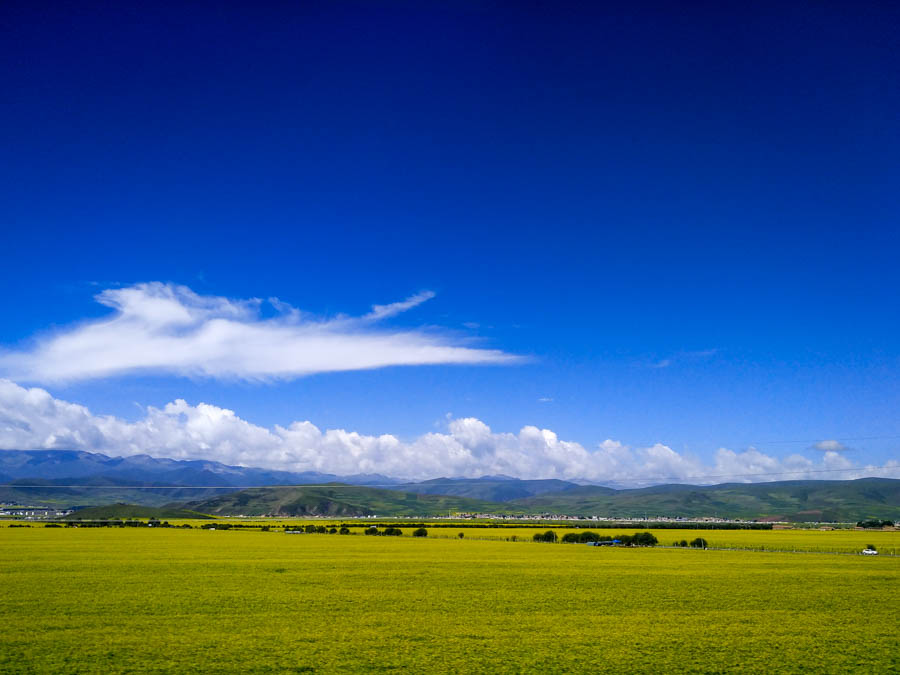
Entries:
{"x":384,"y":311}
{"x":829,"y":446}
{"x":33,"y":419}
{"x":164,"y":328}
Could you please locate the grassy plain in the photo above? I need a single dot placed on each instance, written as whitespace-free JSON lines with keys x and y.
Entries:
{"x":119,"y":600}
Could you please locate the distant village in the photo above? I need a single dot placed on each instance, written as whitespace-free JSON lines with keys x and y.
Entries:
{"x":32,"y":512}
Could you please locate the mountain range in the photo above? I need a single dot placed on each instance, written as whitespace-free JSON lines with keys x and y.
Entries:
{"x":71,"y":477}
{"x":79,"y":479}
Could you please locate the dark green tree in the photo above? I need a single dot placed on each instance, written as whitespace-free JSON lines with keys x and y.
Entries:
{"x":644,"y":539}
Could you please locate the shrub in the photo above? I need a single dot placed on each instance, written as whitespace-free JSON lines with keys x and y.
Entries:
{"x":310,"y":529}
{"x":548,"y":537}
{"x":699,"y":542}
{"x":461,"y":535}
{"x":421,"y":532}
{"x":871,"y":547}
{"x":392,"y":531}
{"x":371,"y":530}
{"x":644,"y":539}
{"x":333,"y":530}
{"x":344,"y":530}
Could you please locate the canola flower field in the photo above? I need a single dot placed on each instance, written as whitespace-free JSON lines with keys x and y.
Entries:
{"x":84,"y":600}
{"x":815,"y":541}
{"x":795,"y":540}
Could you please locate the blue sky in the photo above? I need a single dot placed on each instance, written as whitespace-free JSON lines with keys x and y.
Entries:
{"x":684,"y":220}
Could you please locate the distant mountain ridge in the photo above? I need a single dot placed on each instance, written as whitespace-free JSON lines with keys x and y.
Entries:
{"x":55,"y":464}
{"x":74,"y":478}
{"x":137,"y":479}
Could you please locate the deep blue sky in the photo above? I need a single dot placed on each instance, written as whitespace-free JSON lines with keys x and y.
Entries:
{"x":605,"y":189}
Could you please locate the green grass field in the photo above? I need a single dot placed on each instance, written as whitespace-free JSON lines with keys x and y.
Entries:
{"x":138,"y":600}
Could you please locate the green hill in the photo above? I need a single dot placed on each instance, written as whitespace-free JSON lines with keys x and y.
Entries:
{"x":129,"y":511}
{"x":338,"y":500}
{"x":500,"y":489}
{"x":845,"y":500}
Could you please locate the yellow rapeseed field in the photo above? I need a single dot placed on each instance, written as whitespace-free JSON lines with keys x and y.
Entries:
{"x":85,"y":600}
{"x":811,"y":540}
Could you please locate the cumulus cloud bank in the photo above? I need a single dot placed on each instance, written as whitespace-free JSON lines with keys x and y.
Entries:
{"x":33,"y":419}
{"x":164,"y":328}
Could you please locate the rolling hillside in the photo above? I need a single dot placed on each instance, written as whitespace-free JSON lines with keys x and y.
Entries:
{"x":488,"y":488}
{"x":336,"y":500}
{"x":790,"y":500}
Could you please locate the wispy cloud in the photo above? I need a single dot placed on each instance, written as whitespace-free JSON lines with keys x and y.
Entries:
{"x":829,"y":446}
{"x":30,"y":418}
{"x":683,"y":357}
{"x":165,"y":328}
{"x":384,"y":311}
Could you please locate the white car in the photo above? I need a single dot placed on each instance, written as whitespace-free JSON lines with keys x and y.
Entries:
{"x":869,"y":551}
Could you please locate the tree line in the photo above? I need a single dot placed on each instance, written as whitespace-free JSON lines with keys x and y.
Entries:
{"x":875,"y":523}
{"x":588,"y":537}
